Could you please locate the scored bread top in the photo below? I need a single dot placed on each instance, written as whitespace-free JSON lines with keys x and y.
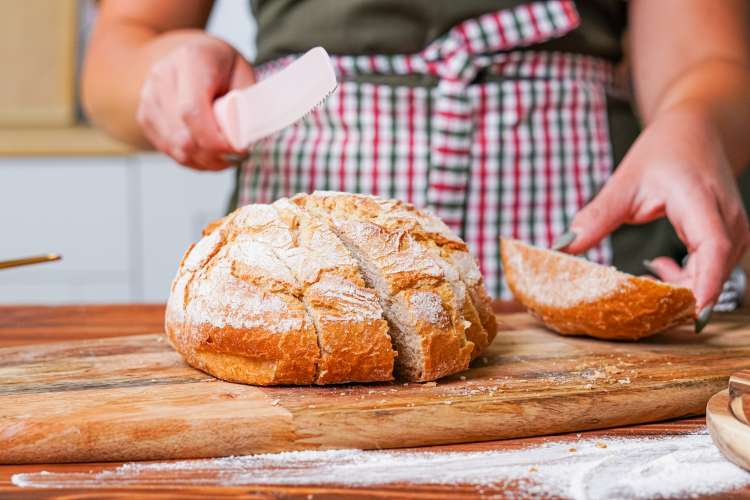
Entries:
{"x":460,"y":267}
{"x":279,"y":293}
{"x":399,"y":248}
{"x":234,"y":301}
{"x":574,"y":296}
{"x":352,"y":333}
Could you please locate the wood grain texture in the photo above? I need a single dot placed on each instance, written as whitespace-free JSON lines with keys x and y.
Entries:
{"x":54,"y":323}
{"x":24,"y":325}
{"x":75,"y":140}
{"x":730,"y":435}
{"x":38,"y":57}
{"x":739,"y":395}
{"x":161,"y":488}
{"x":60,"y":400}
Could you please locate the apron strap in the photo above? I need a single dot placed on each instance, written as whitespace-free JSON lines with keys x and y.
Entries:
{"x":466,"y":49}
{"x":455,"y":59}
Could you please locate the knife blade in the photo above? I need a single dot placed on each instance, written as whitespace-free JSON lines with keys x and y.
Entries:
{"x":252,"y":113}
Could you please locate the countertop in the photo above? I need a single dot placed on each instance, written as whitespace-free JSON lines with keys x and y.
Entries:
{"x":21,"y":325}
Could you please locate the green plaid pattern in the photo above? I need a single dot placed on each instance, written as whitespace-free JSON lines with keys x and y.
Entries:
{"x":515,"y":156}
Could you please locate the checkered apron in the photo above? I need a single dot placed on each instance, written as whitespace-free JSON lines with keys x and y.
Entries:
{"x":514,"y":153}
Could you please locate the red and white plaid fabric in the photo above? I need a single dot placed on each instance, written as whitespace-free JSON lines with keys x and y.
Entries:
{"x":516,"y":154}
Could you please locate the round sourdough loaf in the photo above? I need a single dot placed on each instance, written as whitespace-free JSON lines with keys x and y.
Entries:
{"x":576,"y":297}
{"x":329,"y":288}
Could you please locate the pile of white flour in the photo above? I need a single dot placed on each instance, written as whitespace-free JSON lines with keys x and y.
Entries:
{"x":674,"y":466}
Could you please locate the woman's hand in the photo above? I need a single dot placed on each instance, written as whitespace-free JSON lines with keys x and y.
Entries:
{"x":175,"y":106}
{"x":678,"y":167}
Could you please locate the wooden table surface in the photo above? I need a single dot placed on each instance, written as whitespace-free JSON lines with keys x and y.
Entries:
{"x":36,"y":324}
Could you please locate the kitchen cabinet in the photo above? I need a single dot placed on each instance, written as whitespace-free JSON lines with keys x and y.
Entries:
{"x":121,"y":223}
{"x":38,"y":51}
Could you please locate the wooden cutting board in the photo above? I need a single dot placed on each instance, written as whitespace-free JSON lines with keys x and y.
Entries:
{"x":739,"y":396}
{"x":730,"y":434}
{"x":132,"y":398}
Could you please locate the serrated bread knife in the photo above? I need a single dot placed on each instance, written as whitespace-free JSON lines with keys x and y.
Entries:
{"x":252,"y":113}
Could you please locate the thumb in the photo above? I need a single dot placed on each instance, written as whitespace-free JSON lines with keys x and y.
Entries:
{"x":242,"y":73}
{"x":602,"y":215}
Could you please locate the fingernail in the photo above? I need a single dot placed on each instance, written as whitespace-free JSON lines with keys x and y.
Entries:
{"x":703,"y":317}
{"x":564,"y":240}
{"x":234,"y":158}
{"x":649,"y":267}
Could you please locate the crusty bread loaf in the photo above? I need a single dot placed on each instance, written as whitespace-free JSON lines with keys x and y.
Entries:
{"x":576,"y":297}
{"x":321,"y":289}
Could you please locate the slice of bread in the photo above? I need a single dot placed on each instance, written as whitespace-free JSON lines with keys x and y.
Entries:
{"x":459,"y":266}
{"x":576,"y":297}
{"x":352,"y":333}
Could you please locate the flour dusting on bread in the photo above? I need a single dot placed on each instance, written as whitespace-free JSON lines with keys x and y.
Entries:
{"x":576,"y":297}
{"x":220,"y":299}
{"x":428,"y":307}
{"x":325,"y":288}
{"x":559,"y":280}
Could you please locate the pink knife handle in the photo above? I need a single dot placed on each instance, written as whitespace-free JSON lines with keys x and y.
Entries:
{"x":226,"y":111}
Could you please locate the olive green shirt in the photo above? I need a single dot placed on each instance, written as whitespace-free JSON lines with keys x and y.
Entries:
{"x":408,"y":26}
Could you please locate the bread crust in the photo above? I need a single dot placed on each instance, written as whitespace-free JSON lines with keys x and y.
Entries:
{"x":392,"y":247}
{"x":614,"y":305}
{"x":272,"y":294}
{"x":266,"y":327}
{"x":461,"y":268}
{"x":352,"y":333}
{"x":483,"y":305}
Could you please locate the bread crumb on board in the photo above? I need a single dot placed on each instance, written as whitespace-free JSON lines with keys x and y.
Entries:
{"x":430,"y":384}
{"x":601,"y":444}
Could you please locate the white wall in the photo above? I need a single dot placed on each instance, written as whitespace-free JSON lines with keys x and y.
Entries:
{"x":121,"y":223}
{"x":233,"y":21}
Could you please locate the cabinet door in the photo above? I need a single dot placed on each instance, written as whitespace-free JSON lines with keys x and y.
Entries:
{"x":79,"y":207}
{"x":121,"y":224}
{"x":38,"y":60}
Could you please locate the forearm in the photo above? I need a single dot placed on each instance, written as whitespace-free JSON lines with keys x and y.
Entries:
{"x":715,"y":92}
{"x":117,"y":63}
{"x":692,"y":58}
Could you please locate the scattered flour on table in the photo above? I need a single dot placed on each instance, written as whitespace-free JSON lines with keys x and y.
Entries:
{"x":676,"y":466}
